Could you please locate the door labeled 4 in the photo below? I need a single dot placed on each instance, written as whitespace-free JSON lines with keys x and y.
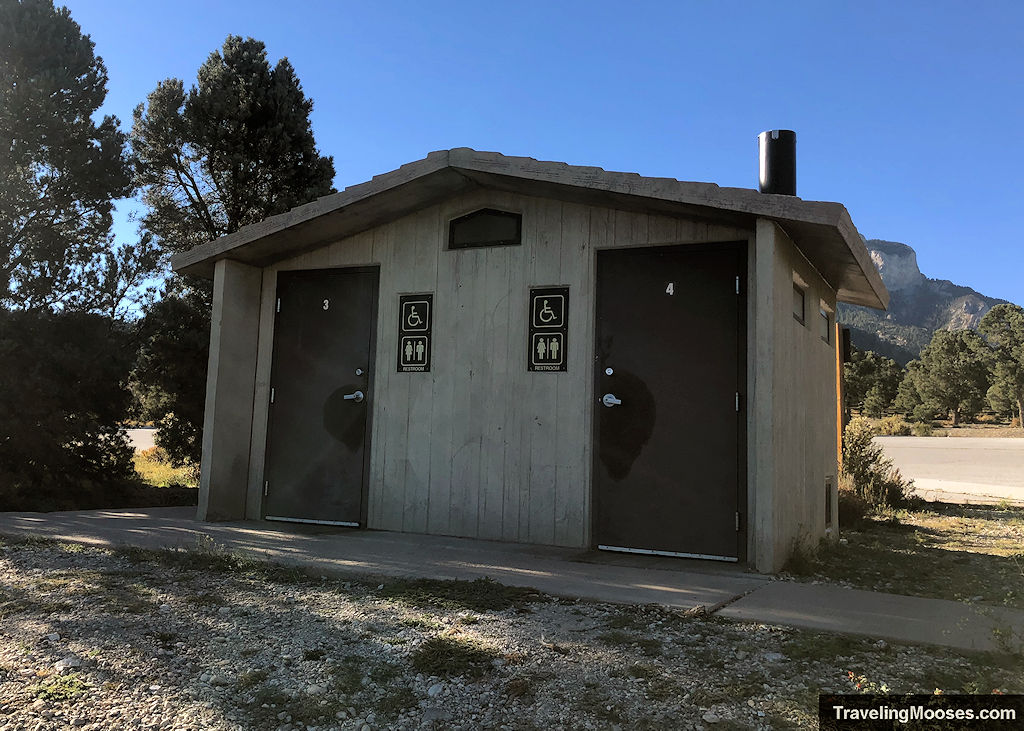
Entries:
{"x":669,"y":435}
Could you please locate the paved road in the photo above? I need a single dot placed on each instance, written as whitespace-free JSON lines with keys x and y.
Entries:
{"x":141,"y":438}
{"x":962,"y":469}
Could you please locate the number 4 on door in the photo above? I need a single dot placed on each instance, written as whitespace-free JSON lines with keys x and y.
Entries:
{"x":671,"y":288}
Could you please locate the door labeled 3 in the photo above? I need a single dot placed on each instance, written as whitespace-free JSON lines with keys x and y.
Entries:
{"x":317,"y":437}
{"x":668,"y":460}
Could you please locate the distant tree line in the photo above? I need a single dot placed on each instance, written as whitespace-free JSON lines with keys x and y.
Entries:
{"x":93,"y":331}
{"x":959,"y":374}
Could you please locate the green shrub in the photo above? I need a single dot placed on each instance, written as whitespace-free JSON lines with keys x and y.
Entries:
{"x":61,"y":401}
{"x":924,"y":412}
{"x":923,"y":429}
{"x":894,"y":426}
{"x":169,"y":380}
{"x":874,"y":477}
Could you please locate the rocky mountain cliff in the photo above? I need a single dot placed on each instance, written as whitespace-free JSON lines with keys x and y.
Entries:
{"x":918,"y":306}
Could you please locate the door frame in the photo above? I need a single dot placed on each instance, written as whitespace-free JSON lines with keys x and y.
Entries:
{"x":741,"y":248}
{"x":371,"y":373}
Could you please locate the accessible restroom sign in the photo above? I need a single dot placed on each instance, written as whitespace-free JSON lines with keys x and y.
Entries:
{"x":549,"y":329}
{"x":414,"y":332}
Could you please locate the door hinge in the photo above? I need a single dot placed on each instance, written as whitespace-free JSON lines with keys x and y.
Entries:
{"x":278,"y":304}
{"x":266,"y":488}
{"x":737,"y":285}
{"x":271,"y":395}
{"x":737,"y":402}
{"x":737,"y":520}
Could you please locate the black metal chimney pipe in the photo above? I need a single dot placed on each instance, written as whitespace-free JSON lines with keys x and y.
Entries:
{"x":777,"y":155}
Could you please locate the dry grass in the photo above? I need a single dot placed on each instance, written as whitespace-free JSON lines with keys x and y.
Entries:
{"x":480,"y":595}
{"x":979,"y":430}
{"x":154,"y":469}
{"x":943,"y":428}
{"x":945,"y":551}
{"x":453,"y":655}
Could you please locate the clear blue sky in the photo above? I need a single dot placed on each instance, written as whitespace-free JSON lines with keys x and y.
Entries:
{"x":909,"y":113}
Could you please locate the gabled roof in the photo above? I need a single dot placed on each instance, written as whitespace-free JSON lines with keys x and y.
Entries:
{"x":823,"y":231}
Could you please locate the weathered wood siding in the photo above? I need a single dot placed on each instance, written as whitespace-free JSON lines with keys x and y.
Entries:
{"x":480,"y":447}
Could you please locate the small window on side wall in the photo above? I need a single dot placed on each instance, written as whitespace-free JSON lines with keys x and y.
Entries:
{"x":828,"y":500}
{"x":825,"y":323}
{"x":486,"y":227}
{"x":799,"y":304}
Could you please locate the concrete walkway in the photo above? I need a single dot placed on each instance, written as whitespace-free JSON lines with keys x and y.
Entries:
{"x":623,"y":578}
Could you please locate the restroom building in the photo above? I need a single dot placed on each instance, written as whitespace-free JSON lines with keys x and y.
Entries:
{"x":502,"y":348}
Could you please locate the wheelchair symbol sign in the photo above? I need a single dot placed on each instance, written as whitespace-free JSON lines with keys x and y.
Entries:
{"x":415,"y":316}
{"x":549,"y":311}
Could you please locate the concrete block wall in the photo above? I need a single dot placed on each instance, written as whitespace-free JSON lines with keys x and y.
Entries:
{"x":793,"y":450}
{"x":479,"y":447}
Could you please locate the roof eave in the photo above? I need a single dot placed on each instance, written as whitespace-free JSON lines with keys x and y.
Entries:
{"x":823,"y":230}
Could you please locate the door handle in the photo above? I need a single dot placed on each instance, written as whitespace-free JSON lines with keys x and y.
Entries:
{"x":357,"y":396}
{"x":609,"y":400}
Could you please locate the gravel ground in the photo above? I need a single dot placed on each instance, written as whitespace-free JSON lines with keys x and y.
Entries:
{"x":99,"y":639}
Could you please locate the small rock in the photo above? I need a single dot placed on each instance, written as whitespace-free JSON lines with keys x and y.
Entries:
{"x":365,"y":727}
{"x":68,"y":662}
{"x":315,"y":690}
{"x":53,"y":637}
{"x":741,"y":654}
{"x":38,"y":704}
{"x":165,"y":608}
{"x":341,"y":715}
{"x":371,"y":718}
{"x":434,"y":690}
{"x":436,"y":714}
{"x":843,"y":541}
{"x":773,"y":656}
{"x":218,"y":680}
{"x":710,"y":717}
{"x":79,"y":721}
{"x":224,"y":610}
{"x":205,"y":678}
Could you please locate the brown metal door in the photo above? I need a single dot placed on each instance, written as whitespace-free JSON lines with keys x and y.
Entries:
{"x":670,"y":349}
{"x":317,"y":438}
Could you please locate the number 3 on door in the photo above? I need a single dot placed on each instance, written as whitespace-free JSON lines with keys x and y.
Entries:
{"x":327,"y":304}
{"x":670,"y":289}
